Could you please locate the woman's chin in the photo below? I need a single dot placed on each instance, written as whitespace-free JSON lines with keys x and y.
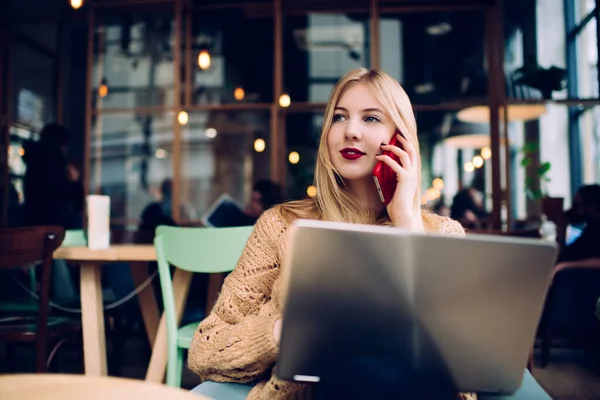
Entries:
{"x":350,"y":176}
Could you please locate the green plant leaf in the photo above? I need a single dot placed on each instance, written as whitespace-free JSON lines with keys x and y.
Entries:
{"x":526,"y":162}
{"x":544,"y":168}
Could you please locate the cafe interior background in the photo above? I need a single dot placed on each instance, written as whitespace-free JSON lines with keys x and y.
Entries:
{"x":215,"y":95}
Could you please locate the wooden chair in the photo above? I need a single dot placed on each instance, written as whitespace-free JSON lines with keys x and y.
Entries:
{"x":198,"y":250}
{"x":22,"y":247}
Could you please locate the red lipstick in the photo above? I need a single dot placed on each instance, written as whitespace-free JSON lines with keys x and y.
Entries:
{"x":351,"y":153}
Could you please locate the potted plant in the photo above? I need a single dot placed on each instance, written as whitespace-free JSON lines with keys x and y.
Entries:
{"x":551,"y":207}
{"x":545,"y":80}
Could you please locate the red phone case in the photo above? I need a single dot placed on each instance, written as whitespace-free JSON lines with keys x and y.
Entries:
{"x":384,"y":177}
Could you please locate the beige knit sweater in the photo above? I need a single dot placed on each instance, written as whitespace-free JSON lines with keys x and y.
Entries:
{"x":235,"y":342}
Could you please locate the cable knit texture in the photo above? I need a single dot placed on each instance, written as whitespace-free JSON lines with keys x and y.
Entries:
{"x":235,"y":342}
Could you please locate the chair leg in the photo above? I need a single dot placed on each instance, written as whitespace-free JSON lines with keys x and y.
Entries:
{"x":179,"y":366}
{"x":175,"y":367}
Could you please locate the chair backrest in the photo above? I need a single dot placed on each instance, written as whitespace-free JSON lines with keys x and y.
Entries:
{"x":23,"y":246}
{"x":74,"y":238}
{"x":207,"y":250}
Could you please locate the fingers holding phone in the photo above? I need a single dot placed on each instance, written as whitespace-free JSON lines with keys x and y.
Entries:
{"x":401,"y":159}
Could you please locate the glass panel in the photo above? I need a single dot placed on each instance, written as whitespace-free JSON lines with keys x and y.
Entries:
{"x":587,"y":45}
{"x":583,"y":8}
{"x":302,"y":131}
{"x":535,"y":49}
{"x":237,"y":47}
{"x":455,"y":155}
{"x":33,"y":87}
{"x":437,"y":56}
{"x":319,"y":49}
{"x":133,"y":58}
{"x":552,"y":144}
{"x":130,"y":158}
{"x":590,"y":144}
{"x":219,"y":157}
{"x":44,"y":33}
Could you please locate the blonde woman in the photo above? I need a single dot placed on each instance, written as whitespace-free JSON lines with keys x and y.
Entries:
{"x":238,"y":342}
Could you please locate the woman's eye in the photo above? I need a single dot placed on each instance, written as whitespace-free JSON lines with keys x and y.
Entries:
{"x":338,"y":118}
{"x":371,"y":119}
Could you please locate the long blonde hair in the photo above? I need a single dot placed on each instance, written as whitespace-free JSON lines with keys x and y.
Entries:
{"x":333,"y":202}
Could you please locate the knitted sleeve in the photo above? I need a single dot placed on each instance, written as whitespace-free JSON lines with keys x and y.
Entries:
{"x":235,"y":342}
{"x":451,"y":227}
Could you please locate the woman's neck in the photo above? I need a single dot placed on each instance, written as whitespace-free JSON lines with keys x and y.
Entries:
{"x":365,"y":194}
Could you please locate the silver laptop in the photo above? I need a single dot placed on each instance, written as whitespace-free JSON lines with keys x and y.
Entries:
{"x":470,"y":305}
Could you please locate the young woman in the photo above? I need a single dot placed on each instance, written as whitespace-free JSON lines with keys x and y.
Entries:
{"x":238,"y":341}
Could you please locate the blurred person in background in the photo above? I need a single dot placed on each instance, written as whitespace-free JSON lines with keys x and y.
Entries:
{"x":52,"y":189}
{"x":583,"y":232}
{"x":468,"y":209}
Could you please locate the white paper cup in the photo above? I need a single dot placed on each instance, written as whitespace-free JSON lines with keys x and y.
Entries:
{"x":98,"y":218}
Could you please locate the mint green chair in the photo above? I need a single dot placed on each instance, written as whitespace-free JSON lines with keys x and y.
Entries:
{"x":201,"y":250}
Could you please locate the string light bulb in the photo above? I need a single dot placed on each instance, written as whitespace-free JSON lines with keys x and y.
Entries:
{"x":294,"y":157}
{"x":311,"y":191}
{"x":438,"y":183}
{"x":486,"y":153}
{"x":477,"y":162}
{"x":76,"y":4}
{"x":469,"y":167}
{"x":239,"y":93}
{"x":183,"y":118}
{"x":103,"y":88}
{"x":284,"y":100}
{"x":259,"y":145}
{"x":204,"y":60}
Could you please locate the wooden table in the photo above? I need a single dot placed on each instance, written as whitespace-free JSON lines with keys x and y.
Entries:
{"x":76,"y":387}
{"x":92,"y":311}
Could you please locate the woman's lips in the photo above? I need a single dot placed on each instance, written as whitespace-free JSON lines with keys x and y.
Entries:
{"x":351,"y":154}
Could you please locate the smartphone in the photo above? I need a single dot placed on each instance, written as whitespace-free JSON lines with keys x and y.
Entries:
{"x":384,"y":177}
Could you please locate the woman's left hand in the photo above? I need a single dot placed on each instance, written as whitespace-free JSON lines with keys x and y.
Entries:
{"x":401,"y":208}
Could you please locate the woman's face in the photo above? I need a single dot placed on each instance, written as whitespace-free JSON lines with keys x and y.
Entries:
{"x":358,"y":129}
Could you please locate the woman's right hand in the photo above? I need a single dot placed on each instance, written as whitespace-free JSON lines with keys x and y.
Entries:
{"x":277,"y":331}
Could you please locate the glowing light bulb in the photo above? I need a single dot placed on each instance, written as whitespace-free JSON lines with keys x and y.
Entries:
{"x":294,"y":157}
{"x":183,"y":118}
{"x":311,"y":191}
{"x":103,"y":89}
{"x":239,"y":93}
{"x":469,"y":167}
{"x":259,"y":145}
{"x":204,"y":59}
{"x":486,"y":153}
{"x":76,"y":4}
{"x":160,"y":153}
{"x":477,"y":161}
{"x":211,"y":133}
{"x":438,"y":183}
{"x":284,"y":100}
{"x":432,"y":194}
